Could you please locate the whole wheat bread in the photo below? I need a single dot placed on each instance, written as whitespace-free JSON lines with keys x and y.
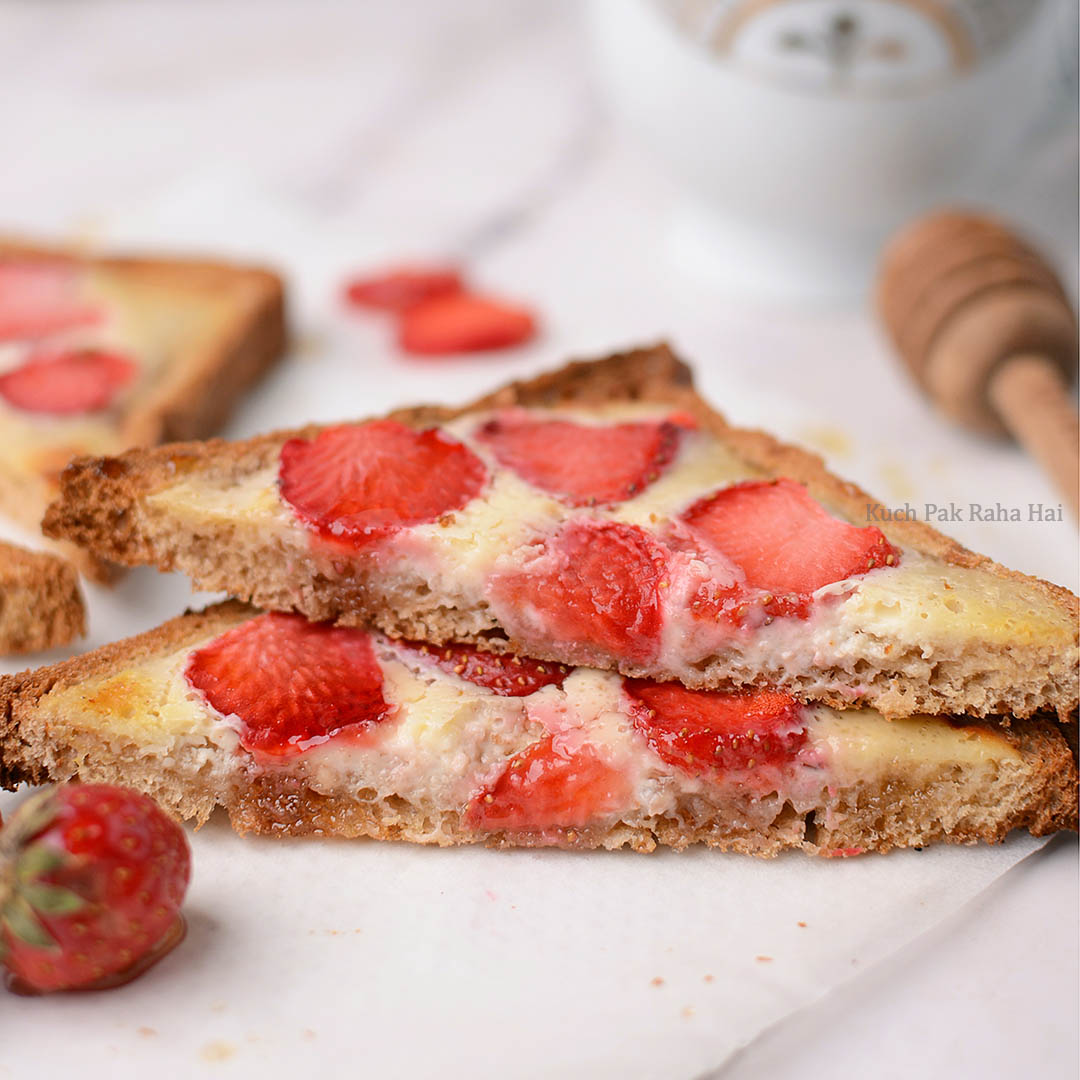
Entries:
{"x":41,"y":606}
{"x":104,"y":506}
{"x":189,"y":777}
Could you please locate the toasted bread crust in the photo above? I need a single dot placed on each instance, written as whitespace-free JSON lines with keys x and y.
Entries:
{"x":196,"y":397}
{"x":1039,"y":795}
{"x":99,"y":502}
{"x":40,"y":602}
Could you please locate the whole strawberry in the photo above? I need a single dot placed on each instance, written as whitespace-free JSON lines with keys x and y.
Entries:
{"x":91,"y":881}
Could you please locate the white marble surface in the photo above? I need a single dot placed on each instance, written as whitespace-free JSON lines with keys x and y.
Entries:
{"x":471,"y":129}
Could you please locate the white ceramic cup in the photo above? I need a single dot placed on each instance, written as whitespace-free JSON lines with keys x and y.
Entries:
{"x":804,"y":131}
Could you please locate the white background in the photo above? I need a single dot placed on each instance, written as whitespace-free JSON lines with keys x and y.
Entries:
{"x":471,"y":128}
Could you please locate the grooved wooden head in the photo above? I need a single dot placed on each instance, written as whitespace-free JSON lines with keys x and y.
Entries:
{"x":959,"y":294}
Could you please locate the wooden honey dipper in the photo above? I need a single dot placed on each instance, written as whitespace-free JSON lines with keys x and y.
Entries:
{"x":985,"y":327}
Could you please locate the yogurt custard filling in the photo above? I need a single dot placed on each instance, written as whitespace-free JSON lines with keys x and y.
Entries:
{"x":697,"y":554}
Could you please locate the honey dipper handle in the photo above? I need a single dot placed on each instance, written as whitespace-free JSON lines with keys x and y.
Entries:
{"x":1030,"y":395}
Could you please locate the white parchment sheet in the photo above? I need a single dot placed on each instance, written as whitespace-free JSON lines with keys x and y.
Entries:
{"x":313,"y":958}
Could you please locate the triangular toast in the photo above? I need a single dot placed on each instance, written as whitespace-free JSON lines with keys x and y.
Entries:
{"x":295,"y":727}
{"x":602,"y":515}
{"x":101,"y":354}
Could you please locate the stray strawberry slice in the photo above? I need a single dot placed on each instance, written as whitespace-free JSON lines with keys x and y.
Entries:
{"x":502,"y":673}
{"x":464,"y":323}
{"x":403,"y":287}
{"x":292,"y":684}
{"x":358,"y":483}
{"x":593,"y":586}
{"x":583,"y":464}
{"x":703,"y":732}
{"x":40,"y":298}
{"x":785,"y":543}
{"x":551,"y":786}
{"x":67,"y":382}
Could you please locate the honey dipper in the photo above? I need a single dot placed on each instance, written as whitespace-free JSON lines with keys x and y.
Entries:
{"x":984,"y":325}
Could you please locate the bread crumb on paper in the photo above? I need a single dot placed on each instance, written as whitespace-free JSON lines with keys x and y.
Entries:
{"x":829,"y":440}
{"x":219,"y":1050}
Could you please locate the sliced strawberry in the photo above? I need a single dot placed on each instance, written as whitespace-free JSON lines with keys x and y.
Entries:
{"x":732,"y":604}
{"x":703,"y":731}
{"x":550,"y":785}
{"x":583,"y":464}
{"x":594,"y":585}
{"x":39,"y":298}
{"x":506,"y":675}
{"x":67,"y":382}
{"x":403,"y":287}
{"x":785,"y":543}
{"x":464,"y":323}
{"x":358,"y":483}
{"x":292,"y":684}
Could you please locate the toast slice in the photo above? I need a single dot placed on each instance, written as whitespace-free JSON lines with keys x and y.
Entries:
{"x":296,"y":727}
{"x":40,"y":602}
{"x":101,"y":354}
{"x":600,"y":516}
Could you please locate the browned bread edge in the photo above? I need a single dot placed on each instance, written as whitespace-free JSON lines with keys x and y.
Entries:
{"x":196,"y":402}
{"x":41,"y":606}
